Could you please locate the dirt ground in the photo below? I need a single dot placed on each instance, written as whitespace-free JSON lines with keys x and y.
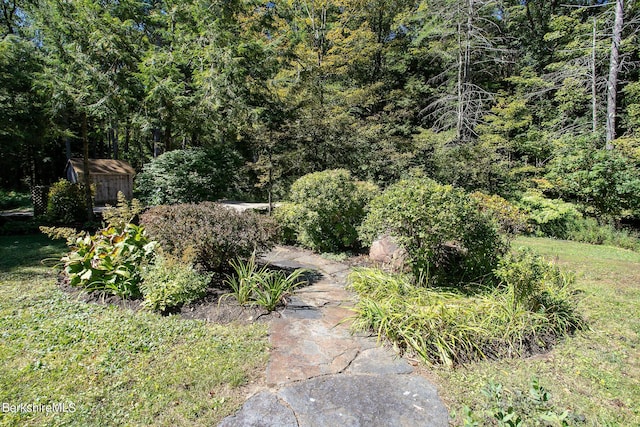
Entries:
{"x":211,"y":308}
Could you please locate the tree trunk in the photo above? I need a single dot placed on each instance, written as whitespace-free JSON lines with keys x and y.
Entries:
{"x":85,"y":161}
{"x":614,"y":67}
{"x":464,"y":64}
{"x":116,"y":147}
{"x":594,"y":93}
{"x":127,"y":137}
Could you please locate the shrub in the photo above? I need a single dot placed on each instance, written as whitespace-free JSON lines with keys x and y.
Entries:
{"x":588,"y":230}
{"x":259,"y":285}
{"x":109,"y":261}
{"x":445,"y":235}
{"x":549,"y":217}
{"x":532,"y":282}
{"x":168,"y":284}
{"x":187,"y":176}
{"x":207,"y":235}
{"x":66,"y":203}
{"x":511,"y":220}
{"x":327,"y":208}
{"x":288,"y":215}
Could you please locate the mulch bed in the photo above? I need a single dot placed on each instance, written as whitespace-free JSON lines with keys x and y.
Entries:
{"x":211,"y":308}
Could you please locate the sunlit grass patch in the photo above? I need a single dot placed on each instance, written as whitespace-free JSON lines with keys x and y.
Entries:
{"x":593,"y":374}
{"x":115,"y":366}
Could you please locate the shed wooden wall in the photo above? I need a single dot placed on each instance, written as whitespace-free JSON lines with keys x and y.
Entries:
{"x":107,"y":187}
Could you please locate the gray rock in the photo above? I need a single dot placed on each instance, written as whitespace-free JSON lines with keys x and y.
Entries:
{"x":364,"y":400}
{"x":379,"y":361}
{"x":261,"y":410}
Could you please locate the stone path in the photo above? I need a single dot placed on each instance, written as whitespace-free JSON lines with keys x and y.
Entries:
{"x":319,"y":374}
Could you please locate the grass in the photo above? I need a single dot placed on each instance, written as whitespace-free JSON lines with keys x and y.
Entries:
{"x":260,"y":285}
{"x":114,"y":366}
{"x":595,"y":374}
{"x":14,"y":200}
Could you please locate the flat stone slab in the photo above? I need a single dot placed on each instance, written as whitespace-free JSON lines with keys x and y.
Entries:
{"x":308,"y":348}
{"x":262,"y":410}
{"x":379,"y":361}
{"x":366,"y":400}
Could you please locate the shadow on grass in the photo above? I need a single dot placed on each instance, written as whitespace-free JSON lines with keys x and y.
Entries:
{"x":23,"y":251}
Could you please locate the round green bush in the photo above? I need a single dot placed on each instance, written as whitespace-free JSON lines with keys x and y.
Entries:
{"x":187,"y":176}
{"x":66,"y":203}
{"x":447,"y":238}
{"x":288,"y":215}
{"x":326,"y":209}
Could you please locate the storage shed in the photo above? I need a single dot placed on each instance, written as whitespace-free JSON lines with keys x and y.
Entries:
{"x":108,"y":176}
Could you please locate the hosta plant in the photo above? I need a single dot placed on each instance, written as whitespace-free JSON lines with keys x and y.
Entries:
{"x":109,"y":261}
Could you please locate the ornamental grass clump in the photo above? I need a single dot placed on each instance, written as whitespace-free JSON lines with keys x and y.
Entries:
{"x":450,"y":328}
{"x":258,"y":285}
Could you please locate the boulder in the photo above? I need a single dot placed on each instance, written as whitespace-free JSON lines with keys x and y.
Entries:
{"x":387,"y":251}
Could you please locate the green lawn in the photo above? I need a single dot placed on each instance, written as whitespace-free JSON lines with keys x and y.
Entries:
{"x":595,"y":375}
{"x":111,"y":366}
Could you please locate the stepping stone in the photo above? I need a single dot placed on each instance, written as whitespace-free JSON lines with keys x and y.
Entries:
{"x":347,"y":401}
{"x":379,"y":361}
{"x":262,"y":410}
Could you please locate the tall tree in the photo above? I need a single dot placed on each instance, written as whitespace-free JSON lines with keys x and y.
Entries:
{"x":614,"y":68}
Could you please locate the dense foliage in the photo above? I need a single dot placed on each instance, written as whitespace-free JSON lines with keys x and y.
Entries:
{"x":510,"y":219}
{"x":549,"y":217}
{"x":13,"y":200}
{"x":447,"y":237}
{"x":484,"y":95}
{"x":187,"y":176}
{"x":606,"y":183}
{"x":325,"y":210}
{"x":66,"y":203}
{"x":208,"y":235}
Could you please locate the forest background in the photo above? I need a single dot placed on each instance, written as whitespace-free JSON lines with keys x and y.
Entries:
{"x":513,"y":97}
